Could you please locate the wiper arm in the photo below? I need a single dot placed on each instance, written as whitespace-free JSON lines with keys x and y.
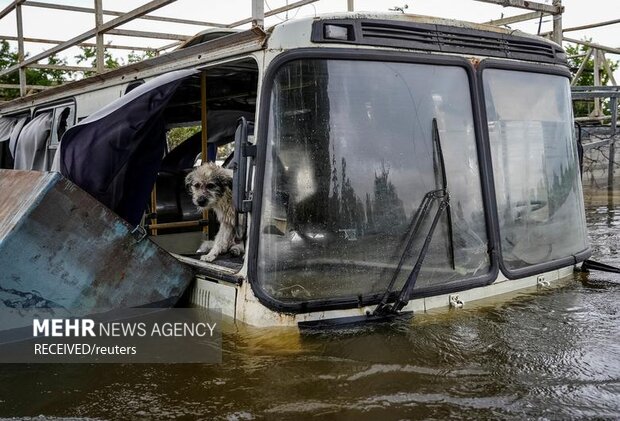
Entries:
{"x":443,"y":196}
{"x":423,"y":211}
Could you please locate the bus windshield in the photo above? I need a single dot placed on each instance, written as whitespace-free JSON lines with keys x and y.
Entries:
{"x":349,"y":160}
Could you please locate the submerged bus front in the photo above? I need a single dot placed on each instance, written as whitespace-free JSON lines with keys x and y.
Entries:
{"x":348,"y":134}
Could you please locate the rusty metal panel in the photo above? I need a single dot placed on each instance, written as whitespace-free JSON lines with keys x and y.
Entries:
{"x":59,"y":247}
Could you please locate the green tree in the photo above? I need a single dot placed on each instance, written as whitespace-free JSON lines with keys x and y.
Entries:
{"x":134,"y":57}
{"x":178,"y":135}
{"x":88,"y":56}
{"x":51,"y":77}
{"x":41,"y":77}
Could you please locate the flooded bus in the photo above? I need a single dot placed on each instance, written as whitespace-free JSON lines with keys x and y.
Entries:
{"x":383,"y":164}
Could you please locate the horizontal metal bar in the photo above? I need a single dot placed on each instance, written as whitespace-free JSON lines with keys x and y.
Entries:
{"x":517,"y":18}
{"x":182,"y":224}
{"x":115,"y":13}
{"x":62,"y":67}
{"x":595,"y":131}
{"x":529,"y":5}
{"x":593,"y":45}
{"x":595,"y":88}
{"x":598,"y":118}
{"x":11,"y":86}
{"x":81,"y":44}
{"x":590,"y":26}
{"x":595,"y":94}
{"x":597,"y":143}
{"x":147,"y":34}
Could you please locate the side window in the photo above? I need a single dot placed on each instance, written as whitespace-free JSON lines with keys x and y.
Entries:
{"x":64,"y":117}
{"x":133,"y":85}
{"x":174,"y":219}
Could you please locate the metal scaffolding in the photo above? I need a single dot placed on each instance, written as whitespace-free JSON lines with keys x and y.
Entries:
{"x":111,"y":27}
{"x":536,"y":10}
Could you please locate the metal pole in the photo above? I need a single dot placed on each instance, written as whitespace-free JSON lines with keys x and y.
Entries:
{"x":258,"y":13}
{"x":597,"y":82}
{"x":527,"y":4}
{"x":153,"y":220}
{"x":20,"y":49}
{"x":98,"y":24}
{"x":607,"y":68}
{"x":273,"y":12}
{"x":8,"y":9}
{"x":515,"y":19}
{"x":613,"y":104}
{"x":81,"y":44}
{"x":612,"y":144}
{"x":593,"y":45}
{"x":557,"y":23}
{"x":350,"y":5}
{"x":590,"y":26}
{"x":203,"y":123}
{"x":32,"y":3}
{"x":610,"y":170}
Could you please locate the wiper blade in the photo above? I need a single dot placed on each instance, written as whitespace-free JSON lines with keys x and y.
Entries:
{"x":440,"y":167}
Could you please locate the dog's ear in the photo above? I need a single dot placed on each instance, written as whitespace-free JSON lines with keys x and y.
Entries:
{"x":189,"y":180}
{"x":227,"y":181}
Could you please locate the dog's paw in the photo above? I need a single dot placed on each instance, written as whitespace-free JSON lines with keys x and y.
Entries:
{"x":237,"y":250}
{"x":208,"y":257}
{"x":205,"y":246}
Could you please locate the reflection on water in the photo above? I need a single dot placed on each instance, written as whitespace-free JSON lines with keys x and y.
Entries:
{"x":553,"y":354}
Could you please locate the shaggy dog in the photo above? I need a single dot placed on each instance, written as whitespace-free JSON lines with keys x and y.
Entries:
{"x":211,"y":188}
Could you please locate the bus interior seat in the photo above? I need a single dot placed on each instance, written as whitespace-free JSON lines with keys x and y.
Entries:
{"x":173,"y":201}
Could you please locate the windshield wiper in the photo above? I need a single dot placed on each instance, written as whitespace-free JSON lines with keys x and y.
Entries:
{"x":386,"y":311}
{"x":443,"y":196}
{"x":384,"y":307}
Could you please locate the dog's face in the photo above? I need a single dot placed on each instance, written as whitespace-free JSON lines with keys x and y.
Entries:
{"x":208,"y":184}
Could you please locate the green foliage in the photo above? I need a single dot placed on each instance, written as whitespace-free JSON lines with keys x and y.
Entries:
{"x":42,"y":77}
{"x":88,"y":56}
{"x":134,"y":57}
{"x":576,"y":54}
{"x":176,"y":136}
{"x":49,"y":77}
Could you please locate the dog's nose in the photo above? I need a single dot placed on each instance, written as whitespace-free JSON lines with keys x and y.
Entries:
{"x":201,"y":201}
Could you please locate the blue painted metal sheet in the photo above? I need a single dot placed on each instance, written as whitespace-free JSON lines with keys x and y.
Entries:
{"x":59,"y":247}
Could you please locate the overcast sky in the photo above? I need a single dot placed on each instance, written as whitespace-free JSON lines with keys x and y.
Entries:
{"x":44,"y":23}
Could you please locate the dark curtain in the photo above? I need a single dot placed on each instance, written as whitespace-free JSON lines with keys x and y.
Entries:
{"x":115,"y":154}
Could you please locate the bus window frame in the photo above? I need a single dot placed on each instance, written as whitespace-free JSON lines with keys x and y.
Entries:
{"x":483,"y":156}
{"x":545,"y":69}
{"x":54,"y":108}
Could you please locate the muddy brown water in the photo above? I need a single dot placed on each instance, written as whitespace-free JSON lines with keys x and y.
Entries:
{"x":540,"y":354}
